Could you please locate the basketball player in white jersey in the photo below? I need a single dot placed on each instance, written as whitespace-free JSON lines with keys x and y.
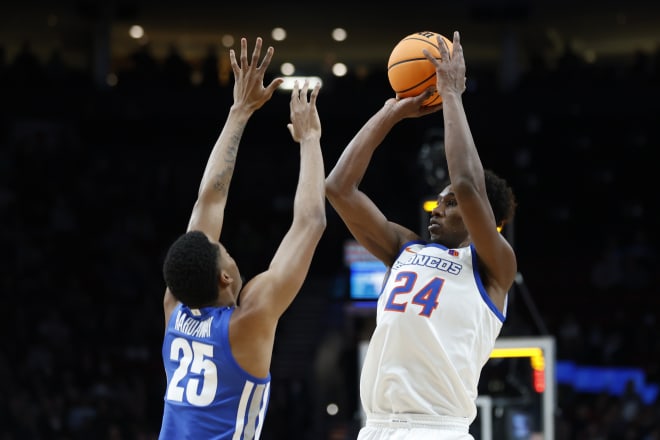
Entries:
{"x":216,"y":349}
{"x":444,"y":301}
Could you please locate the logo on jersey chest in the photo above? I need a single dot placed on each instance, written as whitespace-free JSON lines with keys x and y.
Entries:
{"x":434,"y":262}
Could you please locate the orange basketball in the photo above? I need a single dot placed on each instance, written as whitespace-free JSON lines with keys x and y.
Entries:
{"x":409,"y":71}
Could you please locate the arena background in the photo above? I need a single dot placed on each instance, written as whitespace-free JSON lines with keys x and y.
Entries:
{"x":103,"y":139}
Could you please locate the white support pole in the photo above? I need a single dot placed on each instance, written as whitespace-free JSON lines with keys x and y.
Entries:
{"x":549,"y":397}
{"x":485,"y":405}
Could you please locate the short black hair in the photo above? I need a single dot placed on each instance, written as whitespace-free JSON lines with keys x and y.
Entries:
{"x":191,"y":269}
{"x":501,"y":197}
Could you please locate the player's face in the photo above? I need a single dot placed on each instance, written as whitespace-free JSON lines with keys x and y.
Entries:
{"x":228,"y":264}
{"x":446,"y":225}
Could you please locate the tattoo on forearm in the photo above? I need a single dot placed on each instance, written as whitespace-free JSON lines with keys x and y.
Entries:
{"x":223,"y":178}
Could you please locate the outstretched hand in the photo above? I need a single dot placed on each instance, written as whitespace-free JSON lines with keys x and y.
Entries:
{"x":305,"y":121}
{"x":249,"y":91}
{"x":450,"y":69}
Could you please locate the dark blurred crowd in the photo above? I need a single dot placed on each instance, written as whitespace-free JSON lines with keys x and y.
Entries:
{"x":95,"y":182}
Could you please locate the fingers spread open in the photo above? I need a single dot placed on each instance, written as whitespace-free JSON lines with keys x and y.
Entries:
{"x":256,"y":52}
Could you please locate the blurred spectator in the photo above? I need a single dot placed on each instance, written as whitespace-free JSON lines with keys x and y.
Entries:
{"x":176,"y":71}
{"x":210,"y":68}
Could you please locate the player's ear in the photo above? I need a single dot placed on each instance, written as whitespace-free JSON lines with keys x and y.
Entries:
{"x":225,"y":279}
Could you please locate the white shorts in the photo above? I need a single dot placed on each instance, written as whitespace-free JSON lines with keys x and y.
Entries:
{"x":414,"y":427}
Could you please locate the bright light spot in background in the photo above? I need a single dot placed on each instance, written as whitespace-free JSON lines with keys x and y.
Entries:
{"x":136,"y":31}
{"x":227,"y":40}
{"x":111,"y":79}
{"x":290,"y":80}
{"x":332,"y":409}
{"x":339,"y":69}
{"x":590,"y":56}
{"x":278,"y":34}
{"x":430,"y":205}
{"x":339,"y":34}
{"x":287,"y":69}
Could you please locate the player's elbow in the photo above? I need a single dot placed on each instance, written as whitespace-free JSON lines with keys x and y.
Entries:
{"x":318,"y":221}
{"x":331,"y":188}
{"x":313,"y":220}
{"x":336,"y":190}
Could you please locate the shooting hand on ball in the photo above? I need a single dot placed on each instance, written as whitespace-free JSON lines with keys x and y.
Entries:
{"x":450,"y":71}
{"x":412,"y":106}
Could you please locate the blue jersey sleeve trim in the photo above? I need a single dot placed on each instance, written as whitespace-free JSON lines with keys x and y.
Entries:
{"x":480,"y":286}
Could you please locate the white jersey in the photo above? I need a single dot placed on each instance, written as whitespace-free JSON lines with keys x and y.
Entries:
{"x":436,"y":327}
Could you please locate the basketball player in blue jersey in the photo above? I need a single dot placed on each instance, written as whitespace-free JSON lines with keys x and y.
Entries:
{"x":217,"y":350}
{"x":443,"y":302}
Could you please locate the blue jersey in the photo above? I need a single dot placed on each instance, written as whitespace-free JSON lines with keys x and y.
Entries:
{"x":208,"y":396}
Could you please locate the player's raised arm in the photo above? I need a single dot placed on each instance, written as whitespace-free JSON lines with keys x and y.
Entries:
{"x":362,"y":217}
{"x":249,"y":95}
{"x":466,"y":171}
{"x":279,"y":284}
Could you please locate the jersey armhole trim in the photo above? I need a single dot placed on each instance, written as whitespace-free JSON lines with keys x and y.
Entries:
{"x":480,"y":285}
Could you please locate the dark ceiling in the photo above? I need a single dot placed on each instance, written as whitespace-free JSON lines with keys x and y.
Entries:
{"x":596,"y":30}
